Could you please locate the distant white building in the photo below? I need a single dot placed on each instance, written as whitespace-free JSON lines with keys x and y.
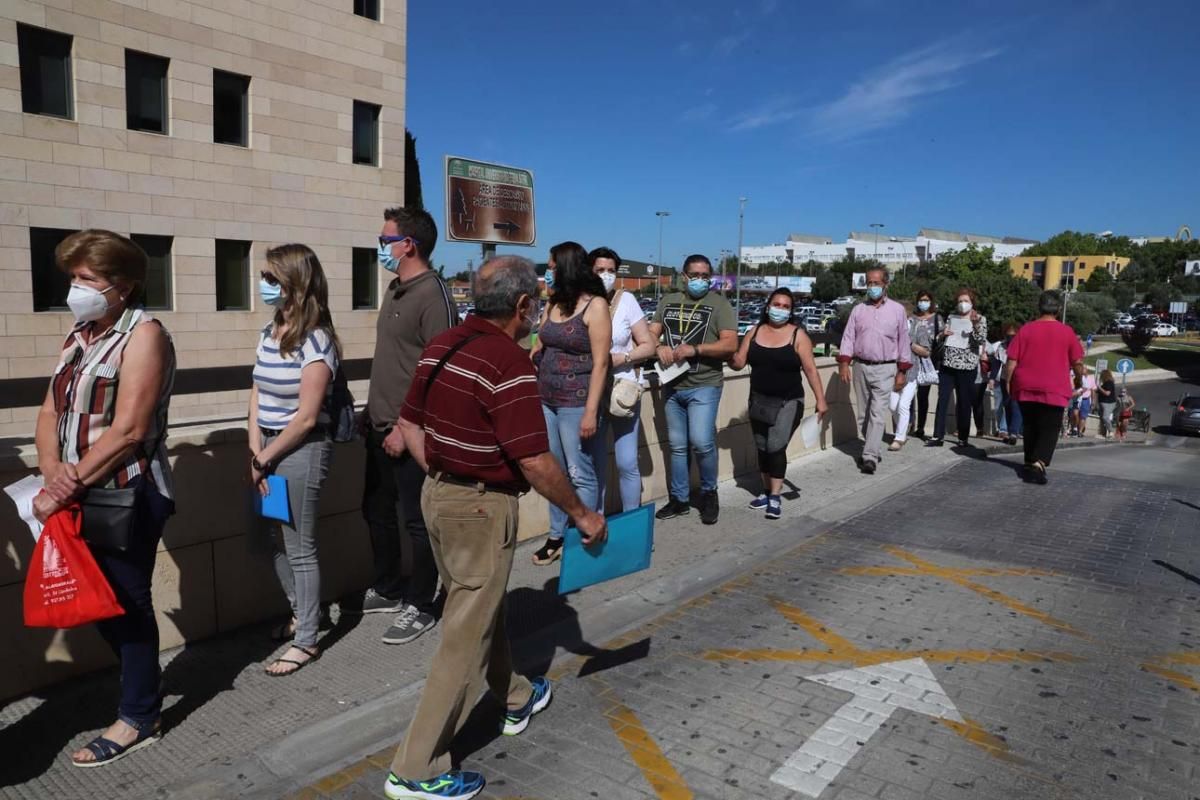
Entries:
{"x":893,"y":251}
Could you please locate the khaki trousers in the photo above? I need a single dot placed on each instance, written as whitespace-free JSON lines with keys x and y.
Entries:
{"x":873,"y":384}
{"x":473,"y":533}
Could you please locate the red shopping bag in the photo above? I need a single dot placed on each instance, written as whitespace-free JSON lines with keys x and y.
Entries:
{"x":64,"y":587}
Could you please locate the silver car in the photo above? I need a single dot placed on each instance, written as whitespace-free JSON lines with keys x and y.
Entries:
{"x":1186,"y":417}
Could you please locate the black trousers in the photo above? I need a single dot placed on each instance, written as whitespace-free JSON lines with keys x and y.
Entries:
{"x":1041,"y":427}
{"x":922,"y":407}
{"x":962,"y":383}
{"x":392,"y":495}
{"x":977,"y":406}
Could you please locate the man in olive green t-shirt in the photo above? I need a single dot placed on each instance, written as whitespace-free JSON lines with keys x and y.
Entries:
{"x":699,"y":328}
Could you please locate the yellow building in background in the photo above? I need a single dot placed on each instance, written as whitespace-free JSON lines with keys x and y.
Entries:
{"x":1064,"y":272}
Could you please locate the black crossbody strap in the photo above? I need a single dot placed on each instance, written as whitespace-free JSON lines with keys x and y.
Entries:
{"x":437,"y":368}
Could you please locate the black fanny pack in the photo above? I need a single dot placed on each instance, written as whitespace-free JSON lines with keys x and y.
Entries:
{"x":109,"y":514}
{"x":764,"y":408}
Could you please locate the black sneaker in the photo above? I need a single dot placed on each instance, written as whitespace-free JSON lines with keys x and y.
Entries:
{"x":408,"y":625}
{"x":710,"y":508}
{"x":548,"y":553}
{"x":375,"y":603}
{"x":934,"y":443}
{"x":867,"y":467}
{"x":673,"y":508}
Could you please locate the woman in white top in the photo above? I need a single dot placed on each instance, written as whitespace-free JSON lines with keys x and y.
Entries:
{"x":297,"y":358}
{"x":631,"y":345}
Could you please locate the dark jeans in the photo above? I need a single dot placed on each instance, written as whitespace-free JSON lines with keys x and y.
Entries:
{"x":977,"y":407}
{"x":1012,"y":410}
{"x":1042,"y":425}
{"x":133,"y":636}
{"x":922,"y":407}
{"x":962,"y":383}
{"x":391,"y":493}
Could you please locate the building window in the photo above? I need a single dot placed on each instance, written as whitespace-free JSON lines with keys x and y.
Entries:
{"x":233,"y":275}
{"x":367,"y":8}
{"x":50,"y":284}
{"x":366,"y":133}
{"x":364,"y":290}
{"x":156,"y":293}
{"x":231,"y":108}
{"x":146,"y":92}
{"x":45,"y":58}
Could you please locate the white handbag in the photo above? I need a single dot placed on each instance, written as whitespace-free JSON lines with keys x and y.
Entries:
{"x":927,"y":374}
{"x":624,"y":399}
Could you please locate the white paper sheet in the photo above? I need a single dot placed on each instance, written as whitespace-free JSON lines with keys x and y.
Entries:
{"x":960,"y":330}
{"x":22,"y":493}
{"x":810,"y":431}
{"x":673,"y":372}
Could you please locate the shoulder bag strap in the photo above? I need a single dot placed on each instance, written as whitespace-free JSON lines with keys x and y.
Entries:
{"x":433,"y":373}
{"x":616,"y":301}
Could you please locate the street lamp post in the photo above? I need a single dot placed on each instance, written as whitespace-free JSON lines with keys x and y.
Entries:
{"x":737,"y":291}
{"x":876,"y":226}
{"x":658,"y":277}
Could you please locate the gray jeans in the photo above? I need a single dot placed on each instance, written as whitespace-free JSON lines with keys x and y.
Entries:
{"x":873,"y":384}
{"x":305,"y":469}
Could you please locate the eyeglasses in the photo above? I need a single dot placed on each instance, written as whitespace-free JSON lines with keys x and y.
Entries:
{"x":269,"y":278}
{"x":384,"y":241}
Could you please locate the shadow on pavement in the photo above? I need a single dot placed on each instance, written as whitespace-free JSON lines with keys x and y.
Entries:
{"x":1186,"y":503}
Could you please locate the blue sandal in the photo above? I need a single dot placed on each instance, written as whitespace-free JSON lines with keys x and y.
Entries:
{"x":107,"y":751}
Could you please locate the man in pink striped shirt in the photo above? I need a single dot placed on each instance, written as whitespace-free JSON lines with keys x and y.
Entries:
{"x":876,"y":342}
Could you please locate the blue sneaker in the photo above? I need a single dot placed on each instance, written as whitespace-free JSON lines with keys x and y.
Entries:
{"x":517,"y":721}
{"x":452,"y":785}
{"x":774,"y":507}
{"x":758,"y":503}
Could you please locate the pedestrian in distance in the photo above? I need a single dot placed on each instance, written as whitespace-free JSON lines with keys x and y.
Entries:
{"x":1106,"y":393}
{"x":1083,"y":408}
{"x":923,"y":327}
{"x":1125,"y":405}
{"x":1007,"y":413}
{"x":416,"y":306}
{"x":572,"y":357}
{"x":1041,"y":358}
{"x":876,"y":343}
{"x":696,"y":327}
{"x":777,"y":351}
{"x":632,"y":345}
{"x":901,"y":401}
{"x":979,"y":398}
{"x":473,"y":420}
{"x":961,"y":337}
{"x":103,"y":427}
{"x":288,"y":429}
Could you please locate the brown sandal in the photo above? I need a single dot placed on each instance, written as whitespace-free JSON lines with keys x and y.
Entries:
{"x":312,"y":653}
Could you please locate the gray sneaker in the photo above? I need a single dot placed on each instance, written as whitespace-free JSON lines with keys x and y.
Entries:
{"x":409,"y":624}
{"x":375,"y":603}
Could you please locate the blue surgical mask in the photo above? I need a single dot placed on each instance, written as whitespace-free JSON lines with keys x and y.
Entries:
{"x":698,"y":287}
{"x":778,"y":315}
{"x":922,"y":305}
{"x":386,"y":259}
{"x":549,"y":279}
{"x":271,"y":294}
{"x":874,"y":292}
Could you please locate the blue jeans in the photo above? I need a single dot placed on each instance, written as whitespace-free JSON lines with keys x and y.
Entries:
{"x":1000,"y":406}
{"x":625,"y":450}
{"x":692,"y":420}
{"x":575,"y":456}
{"x":1013,"y":412}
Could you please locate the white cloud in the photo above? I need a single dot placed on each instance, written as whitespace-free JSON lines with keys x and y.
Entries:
{"x":882,"y":97}
{"x":700,"y":113}
{"x":727,"y":44}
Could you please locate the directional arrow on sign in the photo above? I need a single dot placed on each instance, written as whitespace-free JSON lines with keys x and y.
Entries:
{"x":878,"y":691}
{"x":507,"y":226}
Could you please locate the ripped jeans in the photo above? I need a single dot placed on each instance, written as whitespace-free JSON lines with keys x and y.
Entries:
{"x":576,"y":458}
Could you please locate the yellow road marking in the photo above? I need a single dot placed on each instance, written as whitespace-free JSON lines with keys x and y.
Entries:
{"x":975,"y":733}
{"x":645,"y":752}
{"x":960,"y":577}
{"x":1158,"y":666}
{"x":866,"y":658}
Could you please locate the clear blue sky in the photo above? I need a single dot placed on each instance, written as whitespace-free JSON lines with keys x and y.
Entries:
{"x":1019,"y":118}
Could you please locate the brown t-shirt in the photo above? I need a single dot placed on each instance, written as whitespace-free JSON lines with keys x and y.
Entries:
{"x":412,"y":313}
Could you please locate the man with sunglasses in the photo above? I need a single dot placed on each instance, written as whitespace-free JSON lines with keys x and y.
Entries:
{"x":696,"y":327}
{"x":416,"y":307}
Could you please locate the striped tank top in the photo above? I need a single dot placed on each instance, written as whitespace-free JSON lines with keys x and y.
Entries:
{"x":84,"y":388}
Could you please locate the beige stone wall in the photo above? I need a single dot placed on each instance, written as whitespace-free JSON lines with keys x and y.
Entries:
{"x":308,"y":60}
{"x":209,"y":577}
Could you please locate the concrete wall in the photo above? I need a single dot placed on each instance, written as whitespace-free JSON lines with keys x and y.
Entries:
{"x":209,"y":578}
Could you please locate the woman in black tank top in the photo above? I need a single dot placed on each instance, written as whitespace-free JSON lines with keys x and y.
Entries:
{"x":777,"y":351}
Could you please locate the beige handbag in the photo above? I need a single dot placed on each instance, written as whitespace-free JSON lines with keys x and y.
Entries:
{"x":626,"y":394}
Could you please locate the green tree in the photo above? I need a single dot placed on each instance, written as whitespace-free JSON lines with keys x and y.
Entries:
{"x":830,"y":286}
{"x":1073,"y":243}
{"x":412,"y":173}
{"x":1082,"y":318}
{"x":1103,"y":304}
{"x":1122,"y":295}
{"x":465,"y":275}
{"x":1161,"y":295}
{"x":1099,"y":281}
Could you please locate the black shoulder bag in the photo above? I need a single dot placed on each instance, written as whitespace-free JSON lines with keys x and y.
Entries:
{"x":108,"y":514}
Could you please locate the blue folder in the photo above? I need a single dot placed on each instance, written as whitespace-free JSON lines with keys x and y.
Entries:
{"x":275,"y":505}
{"x":626,"y":550}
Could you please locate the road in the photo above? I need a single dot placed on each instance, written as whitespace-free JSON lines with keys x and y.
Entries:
{"x":974,"y":637}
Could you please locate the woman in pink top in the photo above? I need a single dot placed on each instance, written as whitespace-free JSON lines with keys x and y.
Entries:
{"x":1037,"y":375}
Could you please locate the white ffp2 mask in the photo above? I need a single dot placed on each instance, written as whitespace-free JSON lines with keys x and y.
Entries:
{"x":86,"y":303}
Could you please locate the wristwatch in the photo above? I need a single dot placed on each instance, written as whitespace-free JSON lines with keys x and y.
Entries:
{"x":254,"y":462}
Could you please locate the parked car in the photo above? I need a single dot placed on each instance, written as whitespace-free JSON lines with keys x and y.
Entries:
{"x":845,"y":300}
{"x":812,"y":324}
{"x":1164,"y":329}
{"x":1186,"y":417}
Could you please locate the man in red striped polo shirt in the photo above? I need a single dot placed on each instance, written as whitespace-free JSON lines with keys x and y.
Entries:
{"x":473,"y":420}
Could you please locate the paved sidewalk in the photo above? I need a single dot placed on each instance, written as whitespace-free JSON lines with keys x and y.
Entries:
{"x":221,"y":708}
{"x":976,"y":638}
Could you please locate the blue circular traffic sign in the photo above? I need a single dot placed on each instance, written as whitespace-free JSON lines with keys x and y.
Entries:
{"x":1125,"y":366}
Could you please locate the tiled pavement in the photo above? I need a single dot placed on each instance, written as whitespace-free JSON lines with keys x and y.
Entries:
{"x":1057,"y":626}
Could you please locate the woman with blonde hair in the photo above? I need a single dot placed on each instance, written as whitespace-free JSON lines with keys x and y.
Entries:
{"x":101,"y":434}
{"x":297,"y":358}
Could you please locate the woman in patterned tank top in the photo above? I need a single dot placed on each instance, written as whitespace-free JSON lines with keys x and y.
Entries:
{"x":103,"y":425}
{"x":572,"y":356}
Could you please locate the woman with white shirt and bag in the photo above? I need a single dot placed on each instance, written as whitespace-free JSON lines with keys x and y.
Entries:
{"x":631,"y":345}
